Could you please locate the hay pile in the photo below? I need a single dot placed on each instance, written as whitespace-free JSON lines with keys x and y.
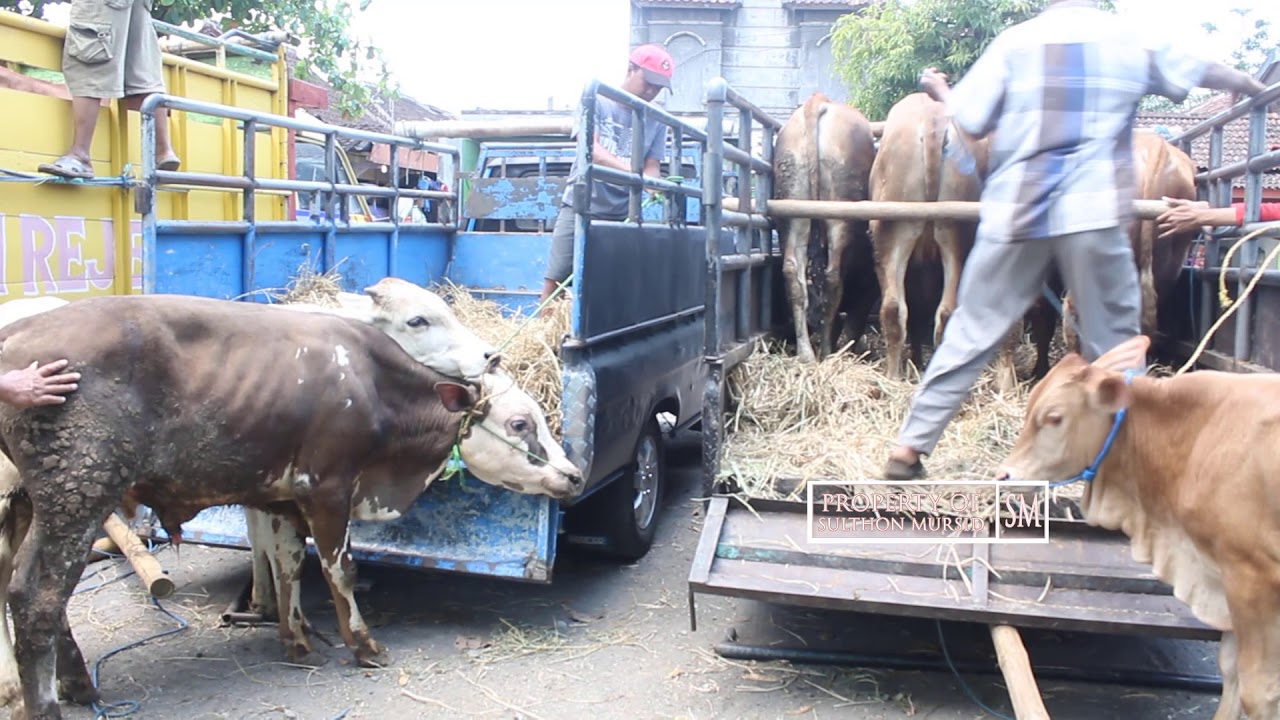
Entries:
{"x":837,"y":420}
{"x":530,"y":347}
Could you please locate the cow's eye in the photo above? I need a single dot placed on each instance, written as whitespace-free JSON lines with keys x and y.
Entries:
{"x":417,"y":321}
{"x":518,"y":425}
{"x":1053,"y":419}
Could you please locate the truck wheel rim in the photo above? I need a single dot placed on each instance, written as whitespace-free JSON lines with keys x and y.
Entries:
{"x":646,"y":483}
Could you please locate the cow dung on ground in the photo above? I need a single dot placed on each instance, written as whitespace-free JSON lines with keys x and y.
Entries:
{"x":789,"y":423}
{"x":530,"y":352}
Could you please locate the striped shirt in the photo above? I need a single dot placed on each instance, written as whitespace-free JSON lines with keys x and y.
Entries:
{"x":1058,"y":95}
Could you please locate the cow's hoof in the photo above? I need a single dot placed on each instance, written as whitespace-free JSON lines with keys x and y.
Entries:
{"x":310,"y":658}
{"x":79,"y":692}
{"x":373,"y":656}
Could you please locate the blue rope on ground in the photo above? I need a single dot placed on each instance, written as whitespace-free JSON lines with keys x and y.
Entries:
{"x":942,"y":642}
{"x":125,"y":708}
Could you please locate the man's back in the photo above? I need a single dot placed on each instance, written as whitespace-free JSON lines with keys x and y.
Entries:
{"x":1059,"y":93}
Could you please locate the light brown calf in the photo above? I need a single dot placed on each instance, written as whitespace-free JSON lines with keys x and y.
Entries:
{"x":1191,"y":479}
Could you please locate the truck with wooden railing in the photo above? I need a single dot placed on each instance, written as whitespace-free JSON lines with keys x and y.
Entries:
{"x":1077,"y":577}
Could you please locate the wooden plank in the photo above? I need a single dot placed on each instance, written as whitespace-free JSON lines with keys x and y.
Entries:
{"x":704,"y":555}
{"x":1016,"y":668}
{"x":934,"y":598}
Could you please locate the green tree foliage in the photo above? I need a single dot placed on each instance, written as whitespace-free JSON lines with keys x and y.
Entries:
{"x":333,"y":55}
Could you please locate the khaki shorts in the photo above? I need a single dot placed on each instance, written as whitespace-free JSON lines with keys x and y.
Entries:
{"x":112,"y":50}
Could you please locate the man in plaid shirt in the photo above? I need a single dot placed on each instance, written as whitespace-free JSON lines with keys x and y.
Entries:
{"x":1058,"y":94}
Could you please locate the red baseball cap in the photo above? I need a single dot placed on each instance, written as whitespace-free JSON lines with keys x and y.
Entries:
{"x":656,"y":63}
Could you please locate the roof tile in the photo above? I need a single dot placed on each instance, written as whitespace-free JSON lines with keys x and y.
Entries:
{"x":1235,"y":139}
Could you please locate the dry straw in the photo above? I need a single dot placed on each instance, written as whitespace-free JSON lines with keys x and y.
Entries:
{"x":838,"y":419}
{"x":530,"y":347}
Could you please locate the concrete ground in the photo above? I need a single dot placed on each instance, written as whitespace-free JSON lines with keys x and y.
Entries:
{"x":605,"y":640}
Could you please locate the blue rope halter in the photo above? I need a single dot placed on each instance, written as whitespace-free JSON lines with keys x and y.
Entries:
{"x":1092,"y":471}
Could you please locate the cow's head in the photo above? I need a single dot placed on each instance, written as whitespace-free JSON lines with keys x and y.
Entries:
{"x":426,"y":327}
{"x":1070,"y":413}
{"x":506,"y":441}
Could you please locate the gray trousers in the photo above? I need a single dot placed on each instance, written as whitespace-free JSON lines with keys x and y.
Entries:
{"x":999,"y":284}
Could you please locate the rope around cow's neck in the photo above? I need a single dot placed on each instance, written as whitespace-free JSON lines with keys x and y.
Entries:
{"x":454,"y":462}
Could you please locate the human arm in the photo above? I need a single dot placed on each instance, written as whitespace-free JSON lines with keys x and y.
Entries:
{"x":1190,"y":215}
{"x":35,"y":385}
{"x":976,"y":101}
{"x":1222,"y":77}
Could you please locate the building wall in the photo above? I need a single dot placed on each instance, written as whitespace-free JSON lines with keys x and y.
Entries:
{"x":774,"y":52}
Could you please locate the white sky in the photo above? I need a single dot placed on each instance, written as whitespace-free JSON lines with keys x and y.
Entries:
{"x":515,"y":54}
{"x":471,"y":41}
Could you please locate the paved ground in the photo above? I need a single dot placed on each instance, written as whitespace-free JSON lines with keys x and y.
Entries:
{"x":603,"y":641}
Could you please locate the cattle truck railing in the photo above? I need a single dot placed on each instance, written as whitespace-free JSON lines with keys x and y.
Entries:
{"x":1082,"y":579}
{"x":743,"y":262}
{"x":634,"y":350}
{"x":1250,"y":339}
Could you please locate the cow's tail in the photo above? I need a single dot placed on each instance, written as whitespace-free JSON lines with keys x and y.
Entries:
{"x":933,"y":146}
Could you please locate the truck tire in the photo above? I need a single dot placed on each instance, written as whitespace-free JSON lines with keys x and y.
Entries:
{"x":632,"y":502}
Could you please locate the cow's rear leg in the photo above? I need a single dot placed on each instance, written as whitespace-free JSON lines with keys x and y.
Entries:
{"x":262,"y":599}
{"x":328,"y":516}
{"x":15,"y":520}
{"x":795,"y":269}
{"x":287,"y":549}
{"x":1070,"y":338}
{"x":895,"y":242}
{"x":1006,"y":364}
{"x":947,"y":235}
{"x":49,"y":565}
{"x":839,"y":234}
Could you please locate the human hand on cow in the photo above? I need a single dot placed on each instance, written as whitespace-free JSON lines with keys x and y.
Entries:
{"x":36,"y":385}
{"x":934,"y":83}
{"x":1182,"y":216}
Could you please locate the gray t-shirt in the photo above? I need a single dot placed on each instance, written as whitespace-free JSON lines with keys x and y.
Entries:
{"x":613,"y":123}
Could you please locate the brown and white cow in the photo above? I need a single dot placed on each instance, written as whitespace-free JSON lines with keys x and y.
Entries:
{"x":911,"y":166}
{"x":186,"y":403}
{"x":418,"y":319}
{"x":824,"y":152}
{"x":1190,"y":478}
{"x":1160,"y":170}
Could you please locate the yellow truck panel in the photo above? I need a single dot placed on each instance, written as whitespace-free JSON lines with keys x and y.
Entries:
{"x":63,"y":238}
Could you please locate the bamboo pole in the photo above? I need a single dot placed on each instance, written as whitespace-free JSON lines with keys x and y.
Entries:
{"x":884,"y":210}
{"x":143,"y":562}
{"x":1016,"y":668}
{"x":483,"y":129}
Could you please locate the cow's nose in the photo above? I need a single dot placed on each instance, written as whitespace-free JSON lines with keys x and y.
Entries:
{"x":576,"y":481}
{"x":492,"y":359}
{"x":1003,"y":475}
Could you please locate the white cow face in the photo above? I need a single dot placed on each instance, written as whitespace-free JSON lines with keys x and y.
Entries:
{"x":510,"y":445}
{"x":425,"y":326}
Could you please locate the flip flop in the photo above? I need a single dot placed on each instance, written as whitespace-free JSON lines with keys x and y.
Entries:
{"x":68,"y":167}
{"x":170,"y":163}
{"x":898,"y":470}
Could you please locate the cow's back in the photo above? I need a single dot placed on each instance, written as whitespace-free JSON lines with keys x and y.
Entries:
{"x":214,"y":387}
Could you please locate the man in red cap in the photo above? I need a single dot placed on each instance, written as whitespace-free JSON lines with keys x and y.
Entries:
{"x":649,"y":71}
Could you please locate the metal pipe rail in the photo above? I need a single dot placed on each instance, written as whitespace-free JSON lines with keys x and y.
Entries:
{"x":484,"y":129}
{"x":220,"y":43}
{"x":1218,"y":186}
{"x":885,"y":210}
{"x":1270,"y":95}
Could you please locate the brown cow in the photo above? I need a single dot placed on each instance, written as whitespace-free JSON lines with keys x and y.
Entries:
{"x":910,"y":167}
{"x":1160,"y":170}
{"x":187,"y":403}
{"x":824,"y":152}
{"x":1192,"y":485}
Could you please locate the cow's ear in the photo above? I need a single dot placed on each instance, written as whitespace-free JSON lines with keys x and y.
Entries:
{"x":456,"y":397}
{"x":1110,"y":393}
{"x":1128,"y":355}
